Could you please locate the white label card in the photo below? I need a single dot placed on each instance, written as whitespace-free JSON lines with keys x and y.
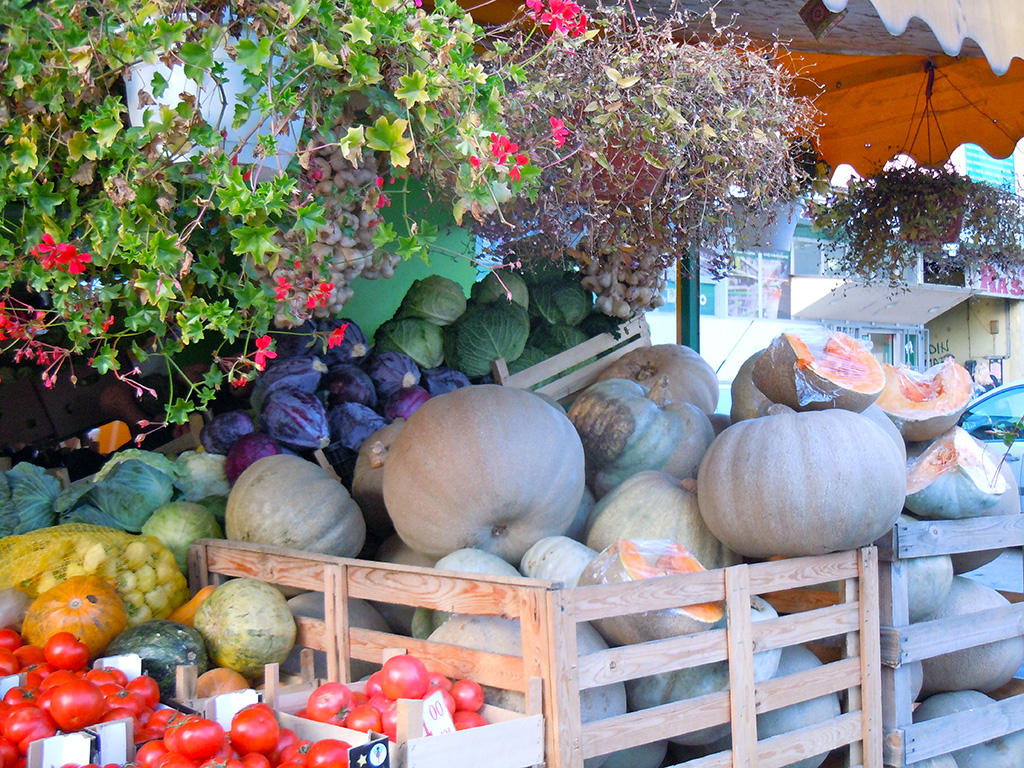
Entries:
{"x":436,"y":717}
{"x":224,"y":707}
{"x":129,"y":663}
{"x":58,"y":751}
{"x":114,"y":739}
{"x":10,"y":681}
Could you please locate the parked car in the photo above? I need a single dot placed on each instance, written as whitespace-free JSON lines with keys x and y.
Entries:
{"x":998,"y":409}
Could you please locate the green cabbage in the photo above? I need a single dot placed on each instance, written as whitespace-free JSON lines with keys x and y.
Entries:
{"x":419,"y":339}
{"x":562,"y":301}
{"x":483,"y":335}
{"x":553,"y":339}
{"x":27,"y":497}
{"x":530,"y":357}
{"x":123,"y":498}
{"x":199,"y":474}
{"x":490,"y":289}
{"x":435,"y":299}
{"x":154,"y":459}
{"x":180,"y":523}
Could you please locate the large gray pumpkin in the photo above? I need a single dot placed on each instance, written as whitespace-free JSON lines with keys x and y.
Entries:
{"x":287,"y":501}
{"x":801,"y":484}
{"x":486,"y":467}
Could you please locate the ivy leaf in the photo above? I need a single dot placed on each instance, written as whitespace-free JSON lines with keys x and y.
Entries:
{"x":252,"y":55}
{"x":24,"y":154}
{"x":106,"y":129}
{"x":359,"y":30}
{"x":254,"y":241}
{"x":158,"y":84}
{"x":81,"y":145}
{"x":322,"y":57}
{"x":309,"y":218}
{"x":364,"y":70}
{"x":388,"y":136}
{"x":351,"y":144}
{"x":198,"y":59}
{"x":412,"y":89}
{"x":44,"y":199}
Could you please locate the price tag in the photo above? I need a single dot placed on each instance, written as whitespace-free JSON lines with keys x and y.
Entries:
{"x":57,"y":751}
{"x":372,"y":754}
{"x":436,"y":717}
{"x":10,"y":681}
{"x":225,"y":706}
{"x":129,"y":663}
{"x":116,"y":744}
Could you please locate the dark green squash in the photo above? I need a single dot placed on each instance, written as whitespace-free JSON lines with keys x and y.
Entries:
{"x":162,"y":645}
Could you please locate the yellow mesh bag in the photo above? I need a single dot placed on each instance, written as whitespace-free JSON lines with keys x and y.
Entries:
{"x":142,"y":569}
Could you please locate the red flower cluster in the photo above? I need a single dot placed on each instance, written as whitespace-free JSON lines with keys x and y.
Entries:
{"x":63,"y":256}
{"x":263,"y":352}
{"x":337,"y":336}
{"x":320,"y":296}
{"x":501,"y":148}
{"x":283,"y":286}
{"x":559,"y":133}
{"x":562,"y":17}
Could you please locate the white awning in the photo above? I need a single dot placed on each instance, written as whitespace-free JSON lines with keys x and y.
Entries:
{"x":827,"y":298}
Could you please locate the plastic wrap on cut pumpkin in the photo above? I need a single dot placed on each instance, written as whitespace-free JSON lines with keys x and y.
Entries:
{"x":923,"y":405}
{"x":812,"y":373}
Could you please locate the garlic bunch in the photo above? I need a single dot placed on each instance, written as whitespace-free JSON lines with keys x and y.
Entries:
{"x":625,"y":282}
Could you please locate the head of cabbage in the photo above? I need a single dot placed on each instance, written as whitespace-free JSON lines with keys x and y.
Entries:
{"x":419,"y":339}
{"x":178,"y":524}
{"x":484,"y":334}
{"x":436,"y":299}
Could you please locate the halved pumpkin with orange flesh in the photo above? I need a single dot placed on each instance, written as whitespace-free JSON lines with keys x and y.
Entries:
{"x":630,"y":560}
{"x":955,"y":477}
{"x":841,"y":373}
{"x":924,"y":405}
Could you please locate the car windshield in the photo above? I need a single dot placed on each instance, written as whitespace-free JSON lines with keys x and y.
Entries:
{"x":998,"y":412}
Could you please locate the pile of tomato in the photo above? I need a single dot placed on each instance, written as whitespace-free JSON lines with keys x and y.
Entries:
{"x":401,"y":677}
{"x":59,"y":692}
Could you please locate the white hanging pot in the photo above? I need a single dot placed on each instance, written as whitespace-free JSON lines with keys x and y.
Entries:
{"x":755,"y":230}
{"x":216,"y":103}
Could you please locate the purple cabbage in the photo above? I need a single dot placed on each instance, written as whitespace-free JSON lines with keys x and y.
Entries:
{"x":352,"y":423}
{"x":349,"y":383}
{"x":295,"y":372}
{"x":354,"y":347}
{"x":404,"y":402}
{"x":392,"y":371}
{"x":297,"y":342}
{"x":246,"y":450}
{"x":295,"y":418}
{"x":437,"y":381}
{"x":224,"y":429}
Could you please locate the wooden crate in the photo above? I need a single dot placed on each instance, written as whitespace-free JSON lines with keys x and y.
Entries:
{"x":513,"y":740}
{"x":559,"y":377}
{"x":551,"y":674}
{"x":907,"y":743}
{"x":855,"y":673}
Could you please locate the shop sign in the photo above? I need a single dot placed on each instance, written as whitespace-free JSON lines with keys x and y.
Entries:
{"x":997,"y":282}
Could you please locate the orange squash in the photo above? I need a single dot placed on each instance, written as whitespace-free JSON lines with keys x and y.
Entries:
{"x":186,"y":613}
{"x":86,"y":606}
{"x":924,"y":405}
{"x":219,"y":680}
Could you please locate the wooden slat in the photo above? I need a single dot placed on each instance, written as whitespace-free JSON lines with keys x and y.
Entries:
{"x":600,"y":601}
{"x":655,"y":723}
{"x":336,"y":616}
{"x":437,"y":590}
{"x":486,"y":668}
{"x":796,"y":572}
{"x":629,"y":662}
{"x":787,"y":748}
{"x":941,"y":537}
{"x":274,"y":565}
{"x":869,"y":696}
{"x":923,"y":640}
{"x":804,"y":627}
{"x":742,"y":715}
{"x":931,"y":738}
{"x":311,"y":633}
{"x":810,"y":684}
{"x":562,"y":704}
{"x":796,"y":600}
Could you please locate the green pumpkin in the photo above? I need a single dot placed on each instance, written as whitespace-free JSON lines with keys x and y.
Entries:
{"x":626,"y":428}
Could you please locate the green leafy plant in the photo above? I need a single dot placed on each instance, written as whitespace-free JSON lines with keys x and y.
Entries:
{"x":181,"y":238}
{"x":880,"y":226}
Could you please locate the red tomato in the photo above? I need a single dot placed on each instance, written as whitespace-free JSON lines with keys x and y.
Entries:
{"x":389,"y":722}
{"x":9,"y":663}
{"x":21,"y":694}
{"x":100,"y":677}
{"x":373,"y":685}
{"x":255,"y":760}
{"x":328,"y":753}
{"x":365,"y":717}
{"x":285,"y":739}
{"x":123,"y":699}
{"x":197,"y":738}
{"x":174,"y":760}
{"x":26,"y":724}
{"x":8,"y":753}
{"x":329,"y":703}
{"x":160,"y":718}
{"x":57,"y":677}
{"x":147,"y":688}
{"x":44,"y":699}
{"x":36,"y":673}
{"x":464,"y":720}
{"x":29,"y":654}
{"x":380,"y":703}
{"x":437,"y":680}
{"x":449,"y":702}
{"x":358,"y":697}
{"x":468,"y":695}
{"x":222,"y":762}
{"x":120,"y":713}
{"x":64,"y":651}
{"x":149,"y":754}
{"x":255,"y":729}
{"x":10,"y":639}
{"x":292,"y":764}
{"x":76,"y":704}
{"x":296,"y":752}
{"x":404,"y":677}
